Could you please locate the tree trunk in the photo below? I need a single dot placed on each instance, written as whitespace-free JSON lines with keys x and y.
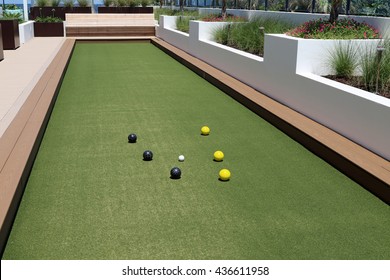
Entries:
{"x":223,"y":9}
{"x":334,"y":10}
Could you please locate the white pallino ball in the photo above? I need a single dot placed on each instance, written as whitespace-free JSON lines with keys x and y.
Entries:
{"x":181,"y":158}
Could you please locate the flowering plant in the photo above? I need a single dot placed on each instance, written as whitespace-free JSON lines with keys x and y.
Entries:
{"x":341,"y":29}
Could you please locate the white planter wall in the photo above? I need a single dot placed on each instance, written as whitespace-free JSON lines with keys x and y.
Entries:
{"x":167,"y":31}
{"x":286,"y":74}
{"x":314,"y":55}
{"x":26,"y":31}
{"x":380,"y":23}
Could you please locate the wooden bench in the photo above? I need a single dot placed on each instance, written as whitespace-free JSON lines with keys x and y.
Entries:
{"x":109,"y":25}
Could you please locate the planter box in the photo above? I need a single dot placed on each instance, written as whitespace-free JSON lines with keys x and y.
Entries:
{"x":125,"y":10}
{"x":58,"y":11}
{"x":1,"y":46}
{"x":10,"y":34}
{"x":52,"y":29}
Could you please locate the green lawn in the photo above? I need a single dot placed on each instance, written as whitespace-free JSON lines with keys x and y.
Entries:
{"x":91,"y":196}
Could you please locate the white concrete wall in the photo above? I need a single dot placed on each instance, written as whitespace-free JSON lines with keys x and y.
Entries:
{"x":314,"y":55}
{"x":286,"y":74}
{"x":167,"y":31}
{"x":26,"y":31}
{"x":380,"y":23}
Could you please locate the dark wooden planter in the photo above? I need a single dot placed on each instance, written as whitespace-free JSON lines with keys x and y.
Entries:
{"x":1,"y":46}
{"x":10,"y":34}
{"x":58,"y":11}
{"x":125,"y":10}
{"x":48,"y":29}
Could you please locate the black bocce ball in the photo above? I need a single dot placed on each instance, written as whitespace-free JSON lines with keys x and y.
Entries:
{"x":132,"y":138}
{"x":148,"y":155}
{"x":175,"y":173}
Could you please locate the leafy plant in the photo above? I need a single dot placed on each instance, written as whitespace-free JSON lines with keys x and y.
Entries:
{"x":48,"y":19}
{"x":344,"y":59}
{"x":83,"y":3}
{"x":300,"y":5}
{"x":134,"y":3}
{"x":341,"y":29}
{"x":145,"y":3}
{"x":55,"y":3}
{"x":11,"y":7}
{"x":121,"y":3}
{"x":42,"y":3}
{"x":18,"y":16}
{"x":68,"y":3}
{"x":107,"y":3}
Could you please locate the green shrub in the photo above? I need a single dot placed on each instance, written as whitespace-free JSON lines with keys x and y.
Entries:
{"x":145,"y":3}
{"x":83,"y":3}
{"x":11,"y":7}
{"x":42,"y":3}
{"x":183,"y":23}
{"x":68,"y":3}
{"x":55,"y":3}
{"x":170,"y":12}
{"x":375,"y":72}
{"x":107,"y":3}
{"x":134,"y":3}
{"x":121,"y":3}
{"x":341,"y":29}
{"x":18,"y":16}
{"x":248,"y":36}
{"x":48,"y":19}
{"x":344,"y":60}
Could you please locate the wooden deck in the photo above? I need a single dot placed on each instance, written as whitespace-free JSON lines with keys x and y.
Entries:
{"x":20,"y":142}
{"x":106,"y":25}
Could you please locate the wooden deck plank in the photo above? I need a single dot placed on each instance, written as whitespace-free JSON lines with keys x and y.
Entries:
{"x":21,"y":140}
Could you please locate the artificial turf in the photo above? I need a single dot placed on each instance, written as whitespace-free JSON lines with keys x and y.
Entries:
{"x":91,"y":196}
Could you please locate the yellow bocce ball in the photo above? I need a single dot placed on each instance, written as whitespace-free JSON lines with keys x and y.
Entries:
{"x":205,"y":130}
{"x":218,"y":156}
{"x":224,"y":174}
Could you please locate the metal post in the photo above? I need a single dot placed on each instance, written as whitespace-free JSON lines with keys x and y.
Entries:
{"x":347,"y":8}
{"x":379,"y":51}
{"x":25,"y":10}
{"x":266,"y":5}
{"x":261,"y":29}
{"x":313,"y":6}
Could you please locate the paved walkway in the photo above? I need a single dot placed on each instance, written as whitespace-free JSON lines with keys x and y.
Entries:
{"x":20,"y":71}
